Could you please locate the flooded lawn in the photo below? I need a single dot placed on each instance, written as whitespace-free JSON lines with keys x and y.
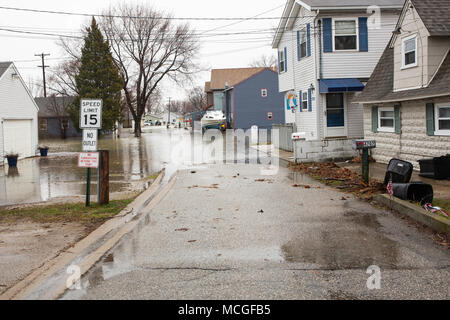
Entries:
{"x":41,"y":179}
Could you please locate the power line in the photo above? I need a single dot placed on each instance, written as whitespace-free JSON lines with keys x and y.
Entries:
{"x":141,"y":17}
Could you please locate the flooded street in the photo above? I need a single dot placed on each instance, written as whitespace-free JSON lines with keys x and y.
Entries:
{"x":42,"y":179}
{"x":132,"y":160}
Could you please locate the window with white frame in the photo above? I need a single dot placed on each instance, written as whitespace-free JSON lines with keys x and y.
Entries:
{"x":443,"y":119}
{"x":305,"y":100}
{"x":345,"y":35}
{"x":264,"y":93}
{"x":282,"y":61}
{"x":386,"y":119}
{"x":303,"y":43}
{"x":409,"y":51}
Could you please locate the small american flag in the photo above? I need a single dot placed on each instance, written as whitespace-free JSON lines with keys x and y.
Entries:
{"x":390,"y":188}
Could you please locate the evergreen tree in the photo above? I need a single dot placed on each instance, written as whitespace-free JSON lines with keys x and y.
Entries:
{"x":98,"y":78}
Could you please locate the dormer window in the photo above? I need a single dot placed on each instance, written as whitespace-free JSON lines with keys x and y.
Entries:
{"x":409,"y":52}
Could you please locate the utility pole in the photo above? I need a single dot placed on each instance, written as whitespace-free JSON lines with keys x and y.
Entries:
{"x":43,"y":66}
{"x":168,"y":124}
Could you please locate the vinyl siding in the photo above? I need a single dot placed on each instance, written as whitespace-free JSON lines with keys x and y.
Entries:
{"x":251,"y":109}
{"x":305,"y":75}
{"x":355,"y":64}
{"x":355,"y":125}
{"x":15,"y":102}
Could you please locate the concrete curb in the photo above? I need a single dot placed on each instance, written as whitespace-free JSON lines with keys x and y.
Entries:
{"x":89,"y":250}
{"x":433,"y":221}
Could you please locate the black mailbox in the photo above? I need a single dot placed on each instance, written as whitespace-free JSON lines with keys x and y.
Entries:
{"x":364,"y":144}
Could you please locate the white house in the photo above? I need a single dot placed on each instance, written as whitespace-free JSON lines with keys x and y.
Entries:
{"x":327,"y":51}
{"x":407,"y":99}
{"x":18,"y":115}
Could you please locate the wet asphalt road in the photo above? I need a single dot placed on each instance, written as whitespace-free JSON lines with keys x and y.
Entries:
{"x":220,"y":234}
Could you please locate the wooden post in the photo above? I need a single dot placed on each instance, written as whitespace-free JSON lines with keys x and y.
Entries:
{"x":103,"y":198}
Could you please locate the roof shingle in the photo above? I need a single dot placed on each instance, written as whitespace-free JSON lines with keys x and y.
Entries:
{"x":221,"y":77}
{"x":435,"y":14}
{"x":4,"y":66}
{"x":380,"y":86}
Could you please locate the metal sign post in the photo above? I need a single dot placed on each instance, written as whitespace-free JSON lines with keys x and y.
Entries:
{"x":90,"y":122}
{"x":364,"y":145}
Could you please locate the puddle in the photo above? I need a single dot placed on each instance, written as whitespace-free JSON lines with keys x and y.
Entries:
{"x":356,"y":242}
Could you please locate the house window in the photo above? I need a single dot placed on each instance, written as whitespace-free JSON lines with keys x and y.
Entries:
{"x":264,"y":93}
{"x":442,"y":119}
{"x":43,"y":125}
{"x":282,"y":61}
{"x":305,"y":100}
{"x":409,"y":52}
{"x":386,"y":119}
{"x":302,"y":43}
{"x":269,"y":115}
{"x":345,"y":35}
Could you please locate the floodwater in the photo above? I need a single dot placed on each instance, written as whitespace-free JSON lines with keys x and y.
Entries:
{"x":132,"y":160}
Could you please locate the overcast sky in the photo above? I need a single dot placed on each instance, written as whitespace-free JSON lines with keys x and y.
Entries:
{"x":228,"y":51}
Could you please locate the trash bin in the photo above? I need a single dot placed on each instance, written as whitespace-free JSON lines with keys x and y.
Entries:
{"x":436,"y":168}
{"x":415,"y":191}
{"x":401,"y":171}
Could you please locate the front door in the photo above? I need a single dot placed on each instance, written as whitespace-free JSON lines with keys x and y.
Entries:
{"x":335,"y":115}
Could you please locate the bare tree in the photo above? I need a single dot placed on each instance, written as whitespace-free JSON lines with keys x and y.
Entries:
{"x":147,"y":48}
{"x":197,"y":98}
{"x":265,"y":61}
{"x":58,"y":106}
{"x":62,"y":80}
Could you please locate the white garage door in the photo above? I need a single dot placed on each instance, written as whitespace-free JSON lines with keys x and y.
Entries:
{"x":17,"y":137}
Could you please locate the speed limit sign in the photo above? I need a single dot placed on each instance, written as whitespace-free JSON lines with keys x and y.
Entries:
{"x":91,"y":114}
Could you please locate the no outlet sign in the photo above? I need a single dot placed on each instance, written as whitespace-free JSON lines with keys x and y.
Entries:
{"x":90,"y":139}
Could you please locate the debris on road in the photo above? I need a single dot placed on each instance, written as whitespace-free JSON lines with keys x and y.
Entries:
{"x":182,"y":230}
{"x":213,"y":186}
{"x":301,"y":186}
{"x":343,"y":179}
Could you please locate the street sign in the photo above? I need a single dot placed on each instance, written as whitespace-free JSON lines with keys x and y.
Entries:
{"x":88,"y":160}
{"x":91,"y":114}
{"x":90,"y":139}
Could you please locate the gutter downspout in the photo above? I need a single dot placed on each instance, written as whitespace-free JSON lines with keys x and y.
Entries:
{"x":320,"y":130}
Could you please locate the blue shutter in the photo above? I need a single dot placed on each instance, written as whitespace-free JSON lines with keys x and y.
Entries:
{"x":279,"y":63}
{"x":309,"y":100}
{"x":298,"y":46}
{"x":285,"y":59}
{"x":363,"y":34}
{"x":308,"y":39}
{"x":327,"y":35}
{"x":300,"y":102}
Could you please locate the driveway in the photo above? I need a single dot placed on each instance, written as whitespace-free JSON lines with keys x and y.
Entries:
{"x":227,"y":232}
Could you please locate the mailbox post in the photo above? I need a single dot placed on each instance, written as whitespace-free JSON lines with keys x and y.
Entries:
{"x":365,"y":145}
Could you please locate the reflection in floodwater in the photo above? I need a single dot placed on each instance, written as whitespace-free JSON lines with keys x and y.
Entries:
{"x":132,"y":160}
